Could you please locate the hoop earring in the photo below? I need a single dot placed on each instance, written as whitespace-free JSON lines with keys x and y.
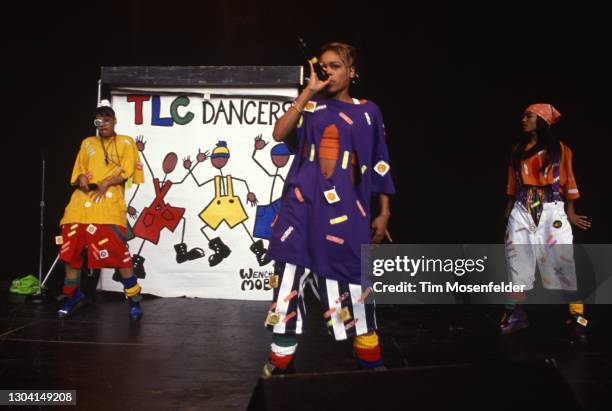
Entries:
{"x":355,"y":79}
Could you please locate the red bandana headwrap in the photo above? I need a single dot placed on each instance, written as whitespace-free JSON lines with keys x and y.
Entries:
{"x":546,"y":112}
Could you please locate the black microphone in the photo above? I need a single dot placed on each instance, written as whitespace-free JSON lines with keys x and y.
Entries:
{"x":321,"y":74}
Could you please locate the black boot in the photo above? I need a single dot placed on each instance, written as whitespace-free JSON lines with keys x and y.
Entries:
{"x":221,"y":251}
{"x":183,"y":255}
{"x":138,"y":266}
{"x":260,"y":252}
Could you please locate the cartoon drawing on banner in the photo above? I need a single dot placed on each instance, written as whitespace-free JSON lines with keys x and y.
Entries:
{"x":266,"y":214}
{"x":160,"y":214}
{"x":226,"y":206}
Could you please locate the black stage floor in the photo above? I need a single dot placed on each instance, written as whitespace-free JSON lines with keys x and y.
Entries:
{"x":192,"y":354}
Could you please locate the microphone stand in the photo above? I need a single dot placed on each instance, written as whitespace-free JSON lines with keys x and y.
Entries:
{"x":39,"y":297}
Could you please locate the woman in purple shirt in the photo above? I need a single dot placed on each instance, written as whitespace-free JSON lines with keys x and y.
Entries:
{"x":325,"y":217}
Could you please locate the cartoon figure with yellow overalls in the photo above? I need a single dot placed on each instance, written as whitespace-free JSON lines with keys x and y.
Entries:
{"x":160,"y":214}
{"x":227,"y":207}
{"x":266,"y":213}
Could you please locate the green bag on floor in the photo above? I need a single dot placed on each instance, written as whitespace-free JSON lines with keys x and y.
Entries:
{"x":25,"y":285}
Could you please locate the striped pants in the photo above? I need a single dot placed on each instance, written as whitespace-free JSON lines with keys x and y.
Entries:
{"x":345,"y":312}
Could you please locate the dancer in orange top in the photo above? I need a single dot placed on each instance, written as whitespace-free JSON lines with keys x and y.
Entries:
{"x":540,"y":179}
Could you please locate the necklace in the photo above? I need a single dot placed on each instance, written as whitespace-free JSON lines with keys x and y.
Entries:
{"x":105,"y":147}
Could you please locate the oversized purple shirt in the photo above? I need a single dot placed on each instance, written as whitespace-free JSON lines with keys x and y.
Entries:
{"x":322,"y":223}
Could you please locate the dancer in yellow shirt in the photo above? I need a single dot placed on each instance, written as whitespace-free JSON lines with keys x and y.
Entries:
{"x":96,"y":216}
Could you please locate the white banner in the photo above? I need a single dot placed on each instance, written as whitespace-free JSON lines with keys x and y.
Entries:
{"x":197,"y":229}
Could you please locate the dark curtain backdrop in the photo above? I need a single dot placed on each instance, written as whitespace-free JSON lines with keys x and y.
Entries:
{"x":452,"y":81}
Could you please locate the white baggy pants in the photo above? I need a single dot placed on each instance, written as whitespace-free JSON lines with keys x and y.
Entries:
{"x":546,"y":247}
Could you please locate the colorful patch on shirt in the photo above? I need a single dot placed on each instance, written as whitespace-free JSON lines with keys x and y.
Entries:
{"x":298,"y":194}
{"x":287,"y":233}
{"x":300,"y":121}
{"x":345,"y":118}
{"x":338,"y":220}
{"x":59,"y":240}
{"x":331,"y":196}
{"x":109,"y":194}
{"x":364,"y":168}
{"x":91,"y":229}
{"x":557,"y":224}
{"x":102,"y":242}
{"x":360,"y":207}
{"x":321,"y":107}
{"x":367,"y":116}
{"x":103,"y":254}
{"x":87,"y":204}
{"x":345,"y":159}
{"x":334,"y":239}
{"x":275,"y":220}
{"x":310,"y":106}
{"x":312,"y":152}
{"x":381,"y":168}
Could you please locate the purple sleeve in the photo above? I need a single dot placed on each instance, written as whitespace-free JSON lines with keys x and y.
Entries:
{"x":381,"y":169}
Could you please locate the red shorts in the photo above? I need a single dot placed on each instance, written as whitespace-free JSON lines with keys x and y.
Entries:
{"x":106,"y":245}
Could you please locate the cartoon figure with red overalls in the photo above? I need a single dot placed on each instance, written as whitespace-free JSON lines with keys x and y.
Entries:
{"x":266,"y":213}
{"x":227,"y":207}
{"x":160,"y":214}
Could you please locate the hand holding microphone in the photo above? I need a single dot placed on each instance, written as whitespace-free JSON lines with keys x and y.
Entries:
{"x":315,"y":84}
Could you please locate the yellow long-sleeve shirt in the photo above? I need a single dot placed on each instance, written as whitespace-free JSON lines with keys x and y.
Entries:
{"x":121,"y":159}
